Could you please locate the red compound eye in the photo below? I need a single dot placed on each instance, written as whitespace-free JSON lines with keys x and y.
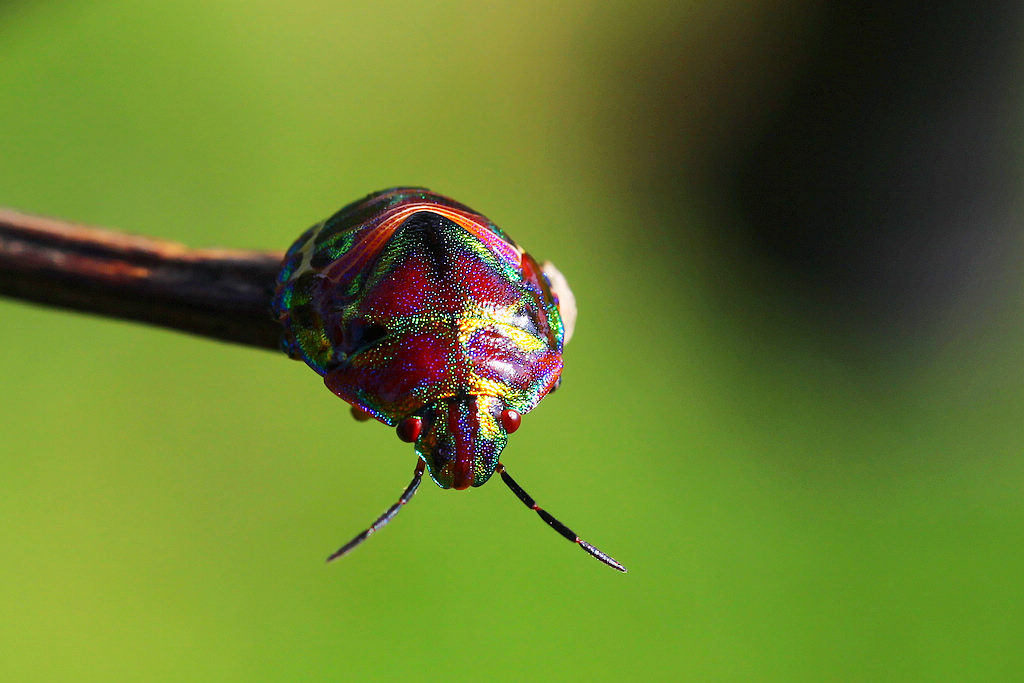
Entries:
{"x":409,"y":429}
{"x":510,"y":420}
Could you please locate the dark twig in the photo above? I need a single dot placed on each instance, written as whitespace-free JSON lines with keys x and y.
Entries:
{"x":224,"y":294}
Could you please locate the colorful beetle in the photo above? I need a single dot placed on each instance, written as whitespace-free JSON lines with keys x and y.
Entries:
{"x":420,"y":312}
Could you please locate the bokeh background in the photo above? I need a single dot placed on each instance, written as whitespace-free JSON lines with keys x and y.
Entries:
{"x":792,"y":406}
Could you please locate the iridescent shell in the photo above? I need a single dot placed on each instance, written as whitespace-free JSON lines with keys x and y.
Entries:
{"x":410,"y":304}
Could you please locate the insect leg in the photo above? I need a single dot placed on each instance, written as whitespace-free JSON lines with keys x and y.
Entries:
{"x":387,"y":516}
{"x":554,"y":523}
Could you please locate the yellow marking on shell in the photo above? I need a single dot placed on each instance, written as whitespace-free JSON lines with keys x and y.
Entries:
{"x":489,"y":428}
{"x":482,"y":386}
{"x":307,"y":250}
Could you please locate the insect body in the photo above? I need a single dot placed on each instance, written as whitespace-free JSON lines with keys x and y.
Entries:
{"x":423,"y":314}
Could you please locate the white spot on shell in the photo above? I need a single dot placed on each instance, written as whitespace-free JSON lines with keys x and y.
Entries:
{"x":566,"y":300}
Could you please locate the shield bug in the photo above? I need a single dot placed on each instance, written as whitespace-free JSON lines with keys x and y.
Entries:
{"x":421,"y":313}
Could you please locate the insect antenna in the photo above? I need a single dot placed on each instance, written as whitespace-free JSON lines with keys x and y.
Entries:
{"x":407,"y":495}
{"x":554,"y":523}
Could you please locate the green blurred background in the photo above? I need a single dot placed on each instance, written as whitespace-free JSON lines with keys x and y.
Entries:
{"x":800,"y":430}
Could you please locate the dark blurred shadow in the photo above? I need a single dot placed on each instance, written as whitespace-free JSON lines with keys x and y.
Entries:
{"x":888,"y":184}
{"x":878,"y":178}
